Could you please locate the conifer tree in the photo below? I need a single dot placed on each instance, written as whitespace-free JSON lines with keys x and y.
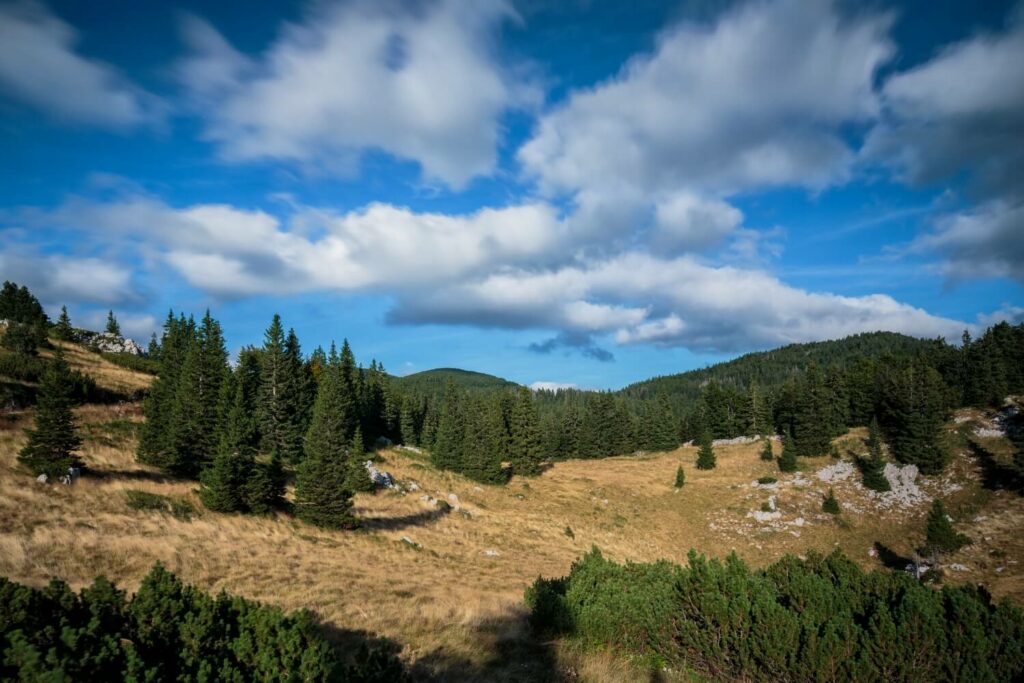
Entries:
{"x":486,"y":441}
{"x":358,"y":476}
{"x":63,"y":329}
{"x":263,"y":490}
{"x":155,"y":442}
{"x":525,"y":452}
{"x":153,"y":350}
{"x":680,"y":477}
{"x":286,"y":389}
{"x":323,"y":496}
{"x":408,"y":423}
{"x":913,"y":411}
{"x":665,"y":434}
{"x":52,"y":443}
{"x":940,"y":536}
{"x":113,"y":327}
{"x":766,"y":449}
{"x":873,"y":467}
{"x":428,"y":433}
{"x":787,"y":460}
{"x":196,"y":412}
{"x":706,"y":454}
{"x":830,"y":504}
{"x":450,"y":438}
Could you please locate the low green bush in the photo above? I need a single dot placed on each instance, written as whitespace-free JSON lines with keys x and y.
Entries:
{"x":822,"y":618}
{"x":179,"y":508}
{"x":169,"y":631}
{"x":130,"y":361}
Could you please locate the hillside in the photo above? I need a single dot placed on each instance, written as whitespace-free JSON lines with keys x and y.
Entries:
{"x":445,"y":586}
{"x":771,"y":368}
{"x":432,"y":382}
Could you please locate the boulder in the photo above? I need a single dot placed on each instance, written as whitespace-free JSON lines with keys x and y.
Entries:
{"x":109,"y":343}
{"x":380,"y":478}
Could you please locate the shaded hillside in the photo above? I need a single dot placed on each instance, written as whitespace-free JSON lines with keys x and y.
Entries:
{"x":769,"y":369}
{"x":432,"y":382}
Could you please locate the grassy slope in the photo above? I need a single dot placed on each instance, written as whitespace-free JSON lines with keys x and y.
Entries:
{"x":455,"y":606}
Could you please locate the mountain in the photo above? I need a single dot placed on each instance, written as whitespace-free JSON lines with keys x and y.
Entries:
{"x":771,"y":368}
{"x":432,"y":382}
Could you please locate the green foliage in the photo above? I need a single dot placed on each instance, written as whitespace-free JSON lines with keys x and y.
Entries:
{"x":524,"y":435}
{"x":822,"y":618}
{"x":914,"y":405}
{"x":787,"y":460}
{"x":18,"y":305}
{"x":179,"y":508}
{"x":873,"y":467}
{"x":287,"y":393}
{"x":168,"y":631}
{"x":680,"y":477}
{"x":706,"y":454}
{"x":149,"y":366}
{"x":23,"y":339}
{"x":62,"y":329}
{"x":830,"y":504}
{"x":21,"y":367}
{"x":766,"y":480}
{"x":113,"y":327}
{"x":766,"y":450}
{"x":53,"y":442}
{"x":433,"y":383}
{"x":940,"y":536}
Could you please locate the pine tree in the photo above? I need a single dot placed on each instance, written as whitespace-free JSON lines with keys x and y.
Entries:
{"x":787,"y":460}
{"x":706,"y":454}
{"x":153,"y":350}
{"x":914,"y":402}
{"x":408,"y":423}
{"x":873,"y":467}
{"x":263,"y":490}
{"x":155,"y":442}
{"x":665,"y":433}
{"x":830,"y":504}
{"x":450,"y":438}
{"x":113,"y":327}
{"x":766,"y":450}
{"x":358,"y":476}
{"x":680,"y":477}
{"x":940,"y":536}
{"x":486,"y":441}
{"x":52,"y":444}
{"x":285,"y":393}
{"x":322,"y":493}
{"x":63,"y":329}
{"x":525,"y":452}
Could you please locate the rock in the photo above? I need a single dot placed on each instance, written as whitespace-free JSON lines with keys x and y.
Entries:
{"x":836,"y":472}
{"x":380,"y":478}
{"x":42,"y":479}
{"x":411,"y":449}
{"x":736,"y":441}
{"x":491,"y":553}
{"x":762,"y":516}
{"x":958,"y":567}
{"x":872,"y":552}
{"x":987,"y":433}
{"x":453,"y":499}
{"x":773,"y":503}
{"x":799,"y":521}
{"x":412,"y":486}
{"x":110,"y":343}
{"x":409,"y":541}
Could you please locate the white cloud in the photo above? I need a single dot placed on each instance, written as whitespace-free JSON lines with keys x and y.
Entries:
{"x":685,"y":222}
{"x":39,"y":65}
{"x":420,"y":84}
{"x":962,"y":110}
{"x":552,"y":386}
{"x":753,"y":101}
{"x":984,"y":242}
{"x":61,"y":279}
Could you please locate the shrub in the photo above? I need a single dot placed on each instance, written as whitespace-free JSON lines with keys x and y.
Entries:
{"x":766,"y":480}
{"x":822,"y":618}
{"x":830,"y":504}
{"x":21,"y":367}
{"x":940,"y":536}
{"x":168,"y":631}
{"x":130,"y":361}
{"x":680,"y":478}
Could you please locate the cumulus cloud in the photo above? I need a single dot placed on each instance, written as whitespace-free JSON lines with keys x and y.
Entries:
{"x":987,"y":241}
{"x":542,"y":385}
{"x":60,"y":279}
{"x":40,"y":66}
{"x":420,"y":83}
{"x":752,"y":101}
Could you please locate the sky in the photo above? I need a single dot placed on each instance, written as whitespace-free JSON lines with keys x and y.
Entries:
{"x":580,"y":193}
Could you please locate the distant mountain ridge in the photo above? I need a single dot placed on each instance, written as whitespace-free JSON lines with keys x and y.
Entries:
{"x":433,"y":382}
{"x":771,"y":368}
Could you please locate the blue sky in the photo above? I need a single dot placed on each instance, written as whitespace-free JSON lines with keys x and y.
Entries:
{"x":585,"y":193}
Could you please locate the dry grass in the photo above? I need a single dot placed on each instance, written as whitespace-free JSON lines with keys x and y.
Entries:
{"x":454,"y":605}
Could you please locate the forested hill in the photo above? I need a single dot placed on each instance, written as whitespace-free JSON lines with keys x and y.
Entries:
{"x":770,"y":369}
{"x":432,"y":382}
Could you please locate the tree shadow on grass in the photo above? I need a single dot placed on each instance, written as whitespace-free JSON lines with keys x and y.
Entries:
{"x":396,"y":523}
{"x":995,"y":475}
{"x":132,"y":475}
{"x":891,"y":559}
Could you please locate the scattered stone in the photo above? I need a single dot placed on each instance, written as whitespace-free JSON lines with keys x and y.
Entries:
{"x":453,"y":499}
{"x":762,"y":516}
{"x":42,"y":479}
{"x":110,"y":343}
{"x":958,"y":567}
{"x":773,"y":505}
{"x":380,"y":478}
{"x":409,"y":541}
{"x":491,"y":553}
{"x":411,"y":449}
{"x":412,"y":486}
{"x":872,"y":552}
{"x":799,"y":521}
{"x":736,"y":441}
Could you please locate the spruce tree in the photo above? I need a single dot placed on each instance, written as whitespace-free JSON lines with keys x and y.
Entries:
{"x":873,"y":467}
{"x":323,"y":496}
{"x":787,"y":460}
{"x":665,"y":433}
{"x":113,"y":327}
{"x":63,"y":329}
{"x":358,"y":476}
{"x":52,"y":444}
{"x":286,"y":388}
{"x":226,"y":483}
{"x":706,"y":454}
{"x":914,"y":403}
{"x":155,"y":443}
{"x":263,"y":490}
{"x":680,"y":477}
{"x":830,"y":504}
{"x":525,"y":452}
{"x":940,"y":536}
{"x":766,"y":449}
{"x":408,"y":423}
{"x":449,"y":440}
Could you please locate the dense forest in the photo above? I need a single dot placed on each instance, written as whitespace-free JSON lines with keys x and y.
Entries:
{"x":168,"y":631}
